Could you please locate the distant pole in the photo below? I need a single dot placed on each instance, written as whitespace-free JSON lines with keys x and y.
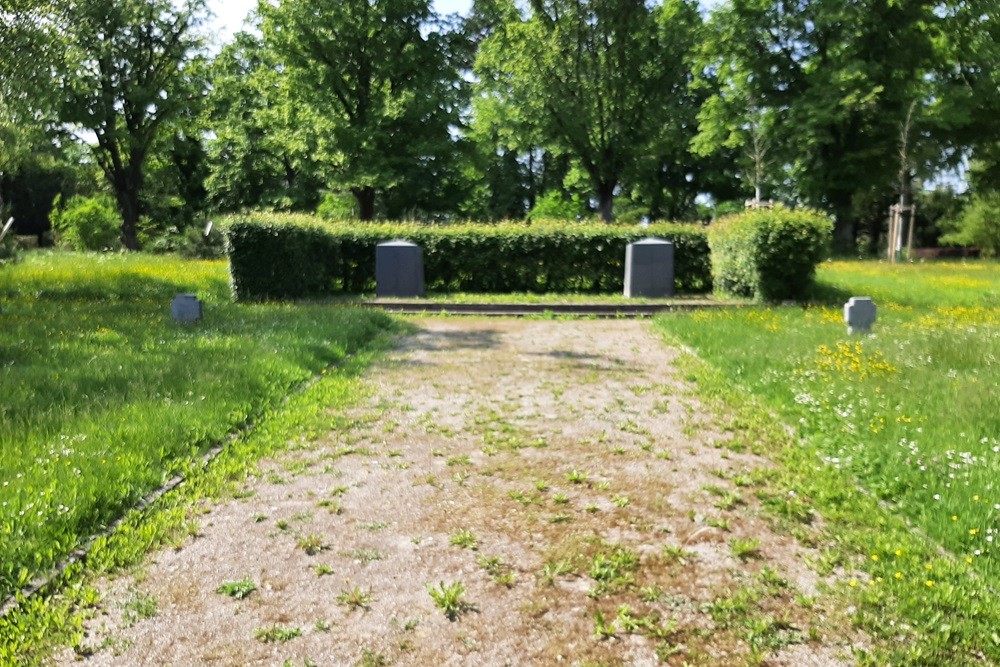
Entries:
{"x":913,"y":223}
{"x":6,"y":228}
{"x":891,"y":236}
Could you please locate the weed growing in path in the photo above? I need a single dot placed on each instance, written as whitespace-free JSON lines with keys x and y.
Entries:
{"x":355,"y":598}
{"x":237,"y":589}
{"x":312,"y":544}
{"x":276,"y":634}
{"x":448,"y":598}
{"x":465,"y":539}
{"x":745,"y":550}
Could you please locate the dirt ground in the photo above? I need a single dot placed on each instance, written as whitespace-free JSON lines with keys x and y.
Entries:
{"x":560,"y":471}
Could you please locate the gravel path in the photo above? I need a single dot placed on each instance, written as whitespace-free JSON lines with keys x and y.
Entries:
{"x":560,"y":471}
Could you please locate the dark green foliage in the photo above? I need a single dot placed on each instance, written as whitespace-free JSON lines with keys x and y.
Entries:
{"x":9,"y":252}
{"x":279,"y":256}
{"x":194,"y":243}
{"x":280,"y":261}
{"x":768,"y":254}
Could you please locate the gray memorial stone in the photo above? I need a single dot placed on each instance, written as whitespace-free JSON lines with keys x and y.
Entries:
{"x":399,"y":269}
{"x":859,"y":314}
{"x":186,"y":308}
{"x":649,"y":268}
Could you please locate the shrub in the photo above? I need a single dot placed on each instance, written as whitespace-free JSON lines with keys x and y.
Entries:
{"x":336,"y":206}
{"x":554,"y":205}
{"x":280,"y":260}
{"x":977,"y":225}
{"x":87,"y":223}
{"x":768,"y":254}
{"x":550,"y":256}
{"x":10,"y":253}
{"x":194,"y":243}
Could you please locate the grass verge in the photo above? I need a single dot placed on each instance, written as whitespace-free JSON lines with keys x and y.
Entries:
{"x":906,"y":413}
{"x":28,"y":633}
{"x":105,"y":397}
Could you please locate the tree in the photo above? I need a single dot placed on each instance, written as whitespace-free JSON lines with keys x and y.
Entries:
{"x":113,"y":70}
{"x":130,"y":66}
{"x":376,"y":77}
{"x":261,"y":151}
{"x":969,"y":78}
{"x":733,"y":118}
{"x":595,"y":78}
{"x":840,"y":79}
{"x":977,"y":225}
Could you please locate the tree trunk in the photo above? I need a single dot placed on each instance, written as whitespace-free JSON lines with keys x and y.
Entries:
{"x":606,"y":200}
{"x":905,"y":218}
{"x":843,"y":226}
{"x":366,"y":202}
{"x":128,"y":206}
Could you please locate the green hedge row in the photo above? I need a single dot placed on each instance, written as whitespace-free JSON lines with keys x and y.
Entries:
{"x":280,"y":261}
{"x":768,"y":254}
{"x":287,"y":256}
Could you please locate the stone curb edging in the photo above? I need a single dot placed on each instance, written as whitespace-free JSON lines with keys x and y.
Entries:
{"x":529,"y":309}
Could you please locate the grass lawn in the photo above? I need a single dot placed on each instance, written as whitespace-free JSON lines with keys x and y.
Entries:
{"x":912,"y":412}
{"x":103,"y":396}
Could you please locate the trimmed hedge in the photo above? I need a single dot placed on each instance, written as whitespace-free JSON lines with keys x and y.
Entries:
{"x":276,"y":256}
{"x":768,"y":254}
{"x":280,"y":261}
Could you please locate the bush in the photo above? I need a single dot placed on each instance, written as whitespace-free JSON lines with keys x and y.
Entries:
{"x":336,"y":206}
{"x":10,"y":253}
{"x":554,"y":205}
{"x":194,"y":243}
{"x":277,"y":260}
{"x":768,"y":254}
{"x":977,"y":225}
{"x":86,"y":223}
{"x":307,"y":258}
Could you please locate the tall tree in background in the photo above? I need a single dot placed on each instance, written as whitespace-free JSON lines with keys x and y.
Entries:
{"x":116,"y":70}
{"x":377,"y":78}
{"x":595,"y":78}
{"x":970,"y":80}
{"x":840,"y":76}
{"x":261,"y":150}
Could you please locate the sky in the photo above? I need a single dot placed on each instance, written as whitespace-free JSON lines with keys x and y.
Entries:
{"x":230,"y":14}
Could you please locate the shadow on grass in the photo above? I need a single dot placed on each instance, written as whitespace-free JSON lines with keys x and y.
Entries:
{"x":825,"y":294}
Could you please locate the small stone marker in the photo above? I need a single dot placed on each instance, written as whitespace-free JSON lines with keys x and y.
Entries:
{"x":186,"y":308}
{"x":859,"y":314}
{"x":399,"y":269}
{"x":649,"y":268}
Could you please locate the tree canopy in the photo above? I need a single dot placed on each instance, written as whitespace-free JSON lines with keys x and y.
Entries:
{"x":622,"y":109}
{"x":595,"y":79}
{"x":376,"y":78}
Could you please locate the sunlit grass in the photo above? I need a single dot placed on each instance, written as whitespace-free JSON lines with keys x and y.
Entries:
{"x":103,"y":396}
{"x":910,"y":411}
